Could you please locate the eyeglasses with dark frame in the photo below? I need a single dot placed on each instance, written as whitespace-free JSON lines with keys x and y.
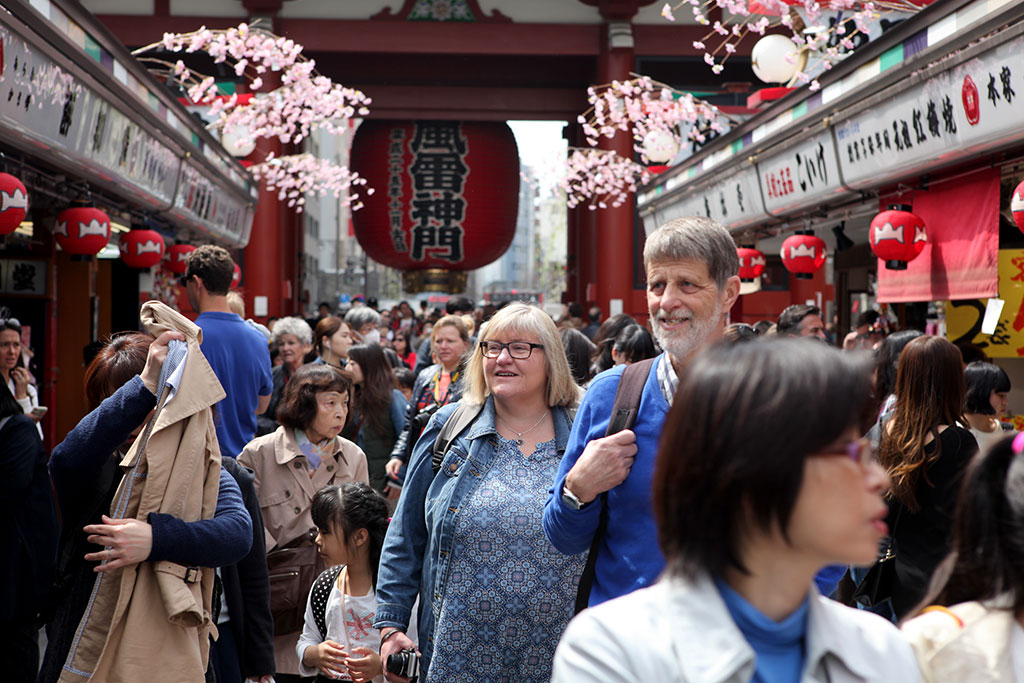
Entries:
{"x":862,"y":451}
{"x":519,"y":350}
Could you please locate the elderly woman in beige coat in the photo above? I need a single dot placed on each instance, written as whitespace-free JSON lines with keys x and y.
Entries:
{"x":291,"y":464}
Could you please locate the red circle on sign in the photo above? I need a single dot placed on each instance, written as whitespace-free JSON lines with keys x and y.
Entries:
{"x":972,"y":104}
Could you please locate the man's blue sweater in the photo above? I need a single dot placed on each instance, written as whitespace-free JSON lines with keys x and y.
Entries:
{"x":629,"y":557}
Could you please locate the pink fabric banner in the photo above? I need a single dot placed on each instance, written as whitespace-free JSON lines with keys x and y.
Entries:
{"x":961,"y":260}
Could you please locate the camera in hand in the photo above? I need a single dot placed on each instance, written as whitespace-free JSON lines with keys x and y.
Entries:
{"x":404,"y":663}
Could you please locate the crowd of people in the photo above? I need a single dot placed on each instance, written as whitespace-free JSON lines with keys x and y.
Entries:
{"x":490,"y":494}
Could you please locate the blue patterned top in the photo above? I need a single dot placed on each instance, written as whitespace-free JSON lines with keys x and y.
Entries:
{"x":509,"y":594}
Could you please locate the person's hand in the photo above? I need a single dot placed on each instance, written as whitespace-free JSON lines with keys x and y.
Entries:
{"x":393,"y":645}
{"x":21,"y":381}
{"x":155,"y":359}
{"x":603,"y":465}
{"x":363,"y":669}
{"x":328,"y":657}
{"x":394,"y":464}
{"x":130,"y":541}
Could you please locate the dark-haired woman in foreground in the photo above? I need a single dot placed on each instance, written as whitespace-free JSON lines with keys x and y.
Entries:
{"x":976,"y":634}
{"x":761,"y":480}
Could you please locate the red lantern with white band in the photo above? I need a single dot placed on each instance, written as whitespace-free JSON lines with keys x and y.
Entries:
{"x":752,"y":263}
{"x":236,"y":277}
{"x":142,"y":248}
{"x":177,"y":258}
{"x":82,"y":230}
{"x":803,"y":254}
{"x":897,"y":236}
{"x":1017,"y":205}
{"x":13,"y":203}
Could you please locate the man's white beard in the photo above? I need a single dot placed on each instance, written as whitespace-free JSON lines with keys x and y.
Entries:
{"x":681,"y":344}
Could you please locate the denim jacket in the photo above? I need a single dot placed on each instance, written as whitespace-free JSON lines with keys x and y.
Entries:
{"x":416,"y":555}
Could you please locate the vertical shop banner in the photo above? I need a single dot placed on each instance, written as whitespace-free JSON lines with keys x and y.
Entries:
{"x":963,"y":318}
{"x":960,"y":260}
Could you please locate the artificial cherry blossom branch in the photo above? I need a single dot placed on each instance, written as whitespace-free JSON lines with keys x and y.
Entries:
{"x":296,"y":175}
{"x":600,"y":178}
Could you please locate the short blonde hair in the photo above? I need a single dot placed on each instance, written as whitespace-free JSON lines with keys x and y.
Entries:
{"x":236,"y":304}
{"x":562,"y":390}
{"x":450,"y":321}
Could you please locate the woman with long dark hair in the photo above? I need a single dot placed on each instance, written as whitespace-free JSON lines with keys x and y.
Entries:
{"x":378,"y":409}
{"x":975,"y":634}
{"x":887,"y":362}
{"x":604,"y":340}
{"x":925,"y":448}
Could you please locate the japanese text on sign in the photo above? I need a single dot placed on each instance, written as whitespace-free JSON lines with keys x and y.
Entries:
{"x":438,"y":175}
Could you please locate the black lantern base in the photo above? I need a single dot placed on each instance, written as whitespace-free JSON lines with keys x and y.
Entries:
{"x":747,"y":279}
{"x":804,"y":276}
{"x":895,"y":265}
{"x":434,"y":280}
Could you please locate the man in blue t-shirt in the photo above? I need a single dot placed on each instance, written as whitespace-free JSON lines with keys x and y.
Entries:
{"x":692,"y":283}
{"x":237,"y":353}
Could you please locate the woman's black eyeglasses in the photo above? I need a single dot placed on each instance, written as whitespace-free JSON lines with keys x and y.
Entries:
{"x":517,"y":349}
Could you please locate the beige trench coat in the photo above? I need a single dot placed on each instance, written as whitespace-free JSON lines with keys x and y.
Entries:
{"x":286,"y":492}
{"x":151,"y":622}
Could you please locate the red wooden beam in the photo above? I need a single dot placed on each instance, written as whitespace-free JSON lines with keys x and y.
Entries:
{"x":477,"y":104}
{"x":419,"y":37}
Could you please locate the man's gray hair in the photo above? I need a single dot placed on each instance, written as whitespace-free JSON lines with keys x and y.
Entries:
{"x":694,"y":238}
{"x":297,"y":326}
{"x":360,"y":315}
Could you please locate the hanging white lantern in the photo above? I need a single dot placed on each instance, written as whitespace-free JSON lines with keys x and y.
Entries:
{"x":238,"y":141}
{"x":774,"y":59}
{"x":660,"y":146}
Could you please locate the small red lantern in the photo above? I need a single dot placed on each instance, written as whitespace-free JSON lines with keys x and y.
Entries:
{"x":13,"y":203}
{"x":897,"y":236}
{"x":236,"y":277}
{"x":803,"y":254}
{"x":1016,"y":206}
{"x":177,"y":258}
{"x":142,"y":248}
{"x":82,"y":230}
{"x":752,"y":263}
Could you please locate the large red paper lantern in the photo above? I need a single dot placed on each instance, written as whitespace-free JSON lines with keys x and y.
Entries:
{"x":803,"y":254}
{"x":82,"y":230}
{"x":447,"y":195}
{"x":236,"y":277}
{"x":1017,"y":205}
{"x":142,"y":248}
{"x":177,"y":258}
{"x":752,"y":263}
{"x":897,"y":236}
{"x":13,"y":203}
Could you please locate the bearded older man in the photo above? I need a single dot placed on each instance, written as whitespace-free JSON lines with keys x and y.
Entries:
{"x":692,"y":283}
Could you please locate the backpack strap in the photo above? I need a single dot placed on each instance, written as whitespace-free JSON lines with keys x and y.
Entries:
{"x":319,"y":594}
{"x":456,"y":423}
{"x":624,"y":412}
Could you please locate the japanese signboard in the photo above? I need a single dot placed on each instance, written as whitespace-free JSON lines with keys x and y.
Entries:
{"x":964,"y":318}
{"x":975,"y":105}
{"x":22,"y":277}
{"x":49,"y":106}
{"x":804,"y":175}
{"x":452,"y":192}
{"x":734,"y":201}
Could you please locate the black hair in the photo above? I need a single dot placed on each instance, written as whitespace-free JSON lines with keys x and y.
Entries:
{"x":887,"y":361}
{"x":745,"y":419}
{"x":634,"y":344}
{"x":988,"y":532}
{"x":868,"y":317}
{"x":604,"y":340}
{"x":458,"y":305}
{"x":792,"y":316}
{"x":214,"y":265}
{"x":761,"y":327}
{"x":405,"y":378}
{"x":982,"y":379}
{"x":348,"y":508}
{"x":739,"y":332}
{"x":578,"y":350}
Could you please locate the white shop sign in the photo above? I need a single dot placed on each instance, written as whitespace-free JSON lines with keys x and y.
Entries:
{"x":733,"y":201}
{"x":802,"y":176}
{"x":974,"y":106}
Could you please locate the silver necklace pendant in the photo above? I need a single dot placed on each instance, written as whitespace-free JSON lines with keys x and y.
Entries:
{"x":519,"y":442}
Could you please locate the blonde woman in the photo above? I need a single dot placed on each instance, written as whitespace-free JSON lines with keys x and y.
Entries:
{"x":496,"y":595}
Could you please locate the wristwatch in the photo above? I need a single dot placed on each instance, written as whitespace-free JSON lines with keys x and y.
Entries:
{"x":570,"y":499}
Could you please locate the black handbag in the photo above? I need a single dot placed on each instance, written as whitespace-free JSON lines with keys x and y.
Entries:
{"x":877,"y":585}
{"x":293,"y":568}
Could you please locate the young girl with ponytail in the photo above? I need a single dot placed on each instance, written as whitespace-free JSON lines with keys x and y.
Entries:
{"x":973,"y":629}
{"x":338,"y":639}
